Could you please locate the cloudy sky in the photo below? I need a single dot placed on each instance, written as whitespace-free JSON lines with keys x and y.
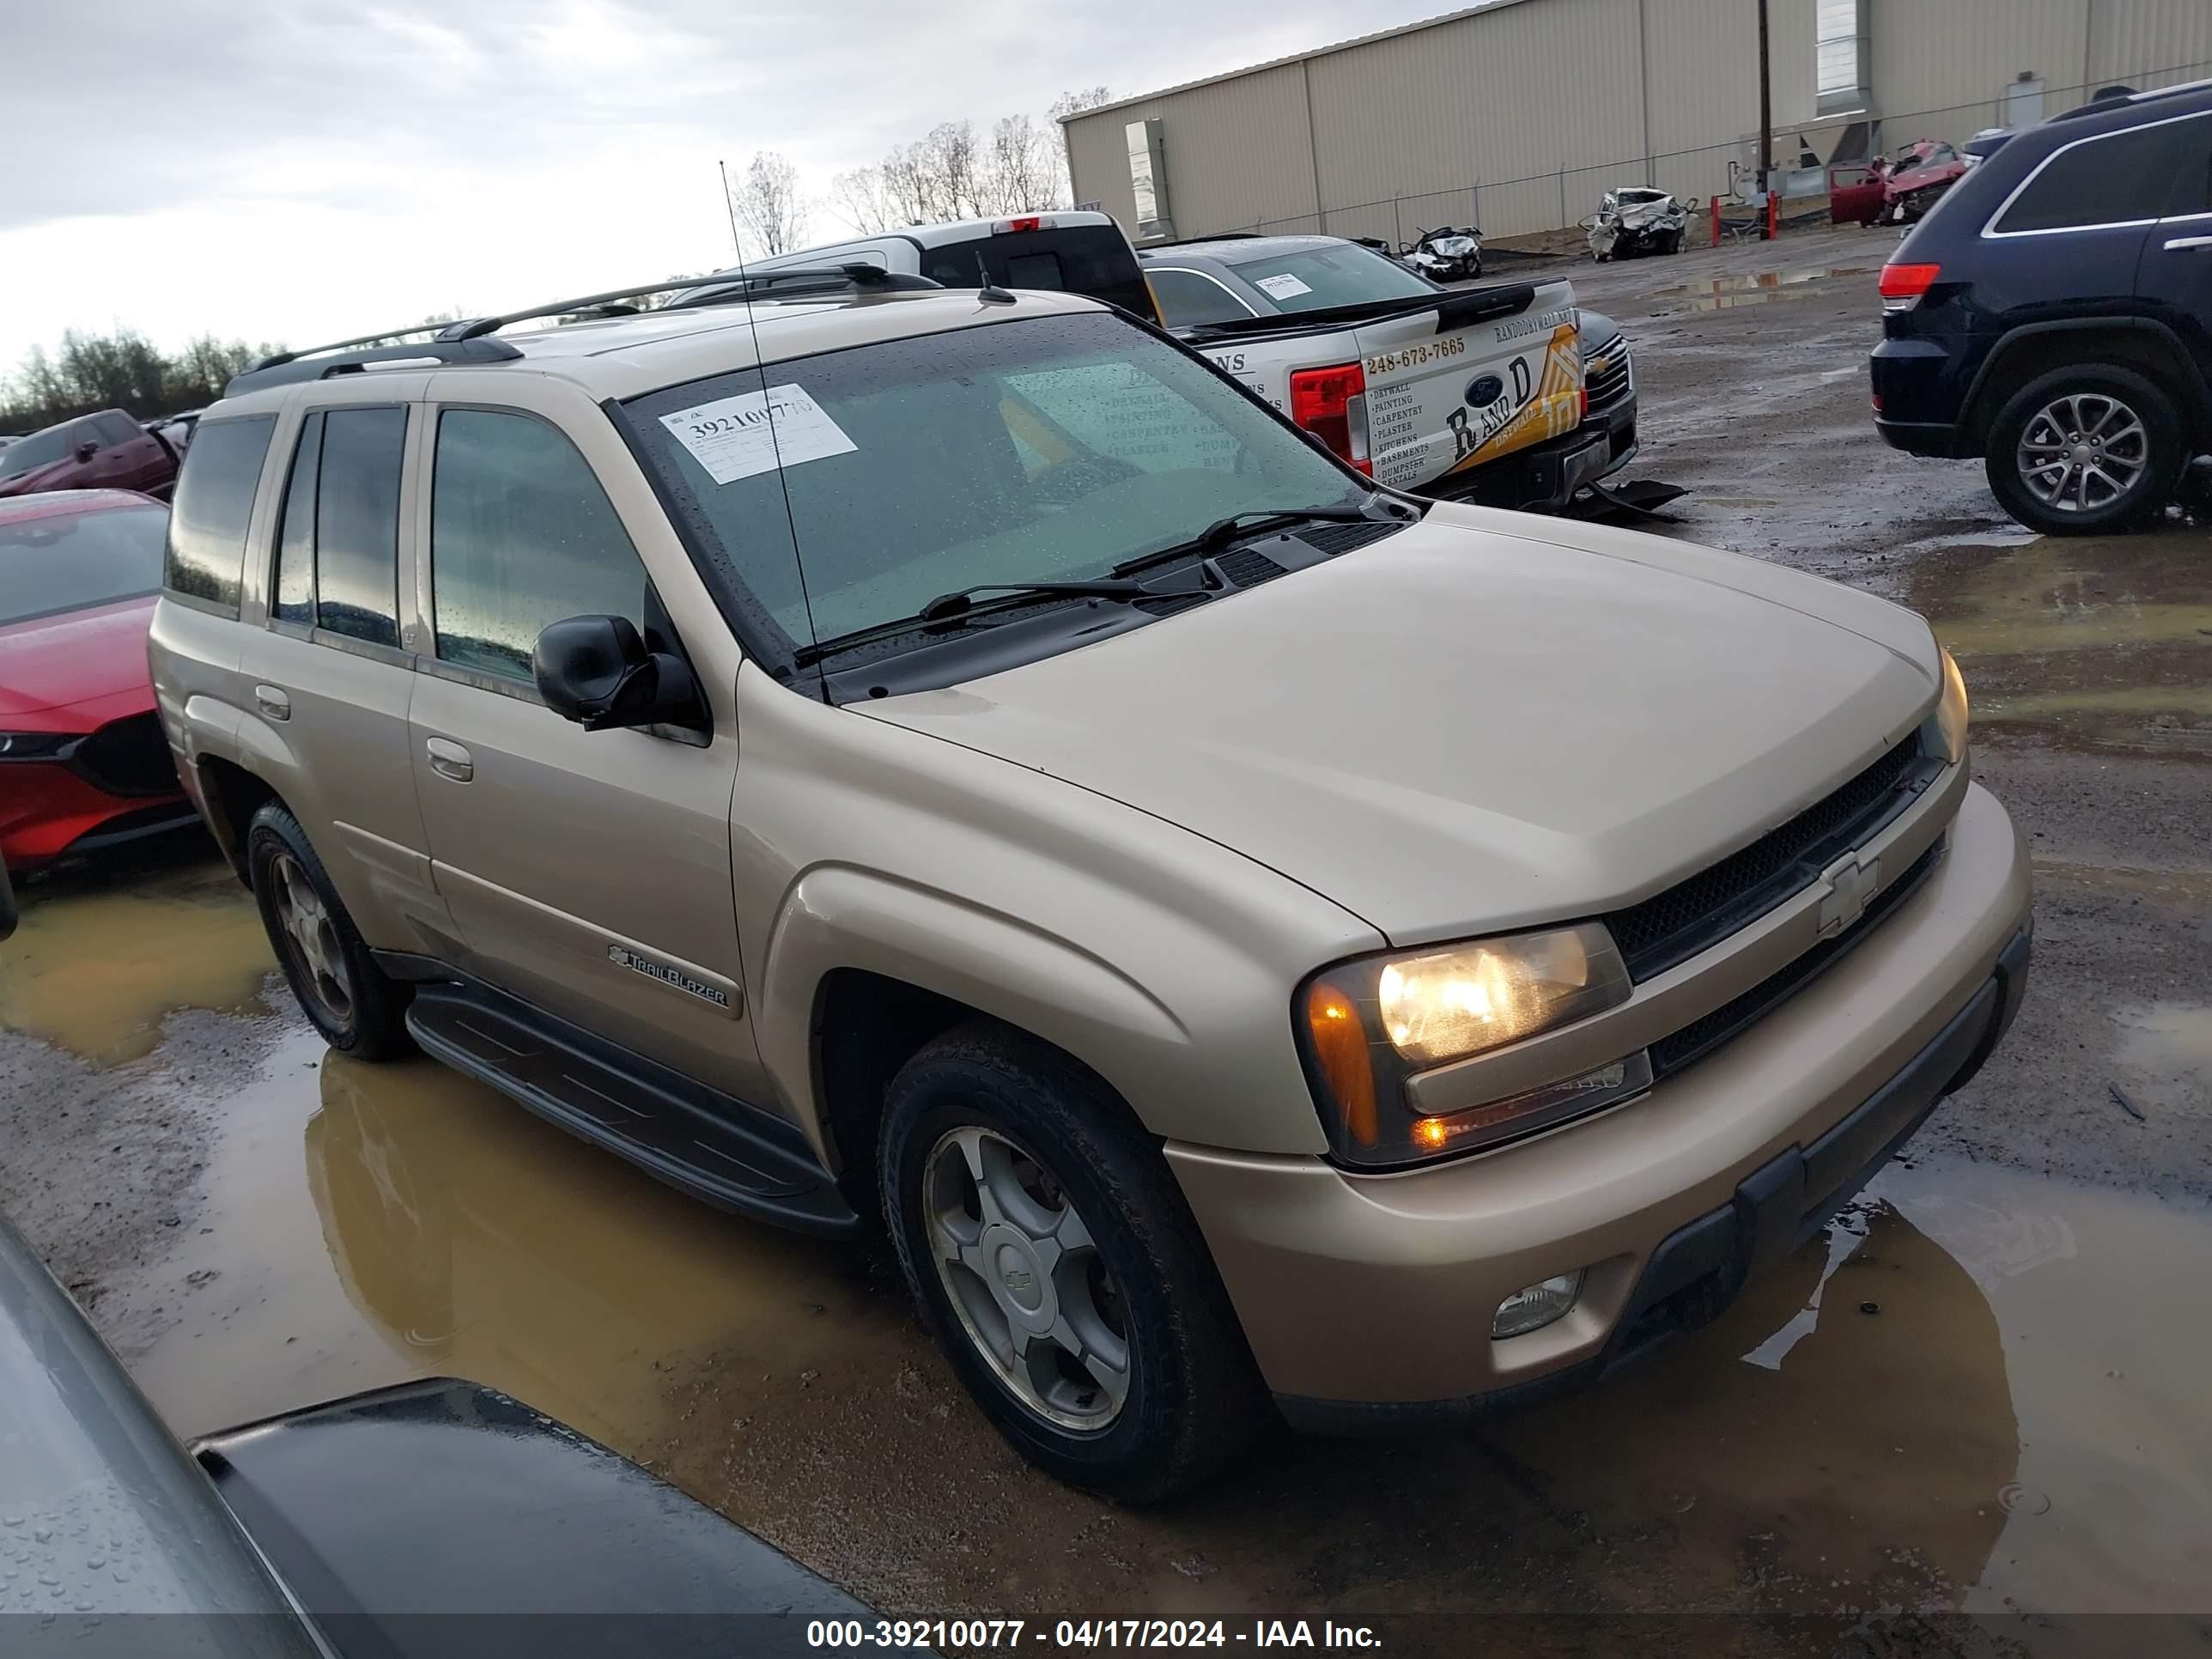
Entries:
{"x":292,"y":170}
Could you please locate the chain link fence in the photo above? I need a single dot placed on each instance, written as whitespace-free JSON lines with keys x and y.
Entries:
{"x":1555,"y":201}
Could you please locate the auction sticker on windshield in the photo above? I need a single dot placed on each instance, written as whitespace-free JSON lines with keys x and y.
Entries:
{"x":734,"y":438}
{"x":1285,"y":287}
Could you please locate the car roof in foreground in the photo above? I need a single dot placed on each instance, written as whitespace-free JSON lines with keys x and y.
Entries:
{"x":624,"y":357}
{"x":57,"y":503}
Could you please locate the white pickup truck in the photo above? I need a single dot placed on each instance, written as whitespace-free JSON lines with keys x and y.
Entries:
{"x":1469,"y":393}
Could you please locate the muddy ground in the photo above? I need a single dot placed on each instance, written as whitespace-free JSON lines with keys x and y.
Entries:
{"x":1971,"y":1419}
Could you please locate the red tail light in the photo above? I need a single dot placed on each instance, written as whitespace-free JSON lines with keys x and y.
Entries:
{"x":1331,"y":404}
{"x":1032,"y":222}
{"x":1903,"y":287}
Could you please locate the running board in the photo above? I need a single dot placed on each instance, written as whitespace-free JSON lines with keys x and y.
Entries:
{"x":696,"y":1138}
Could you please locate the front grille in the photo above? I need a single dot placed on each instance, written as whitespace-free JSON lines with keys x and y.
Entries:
{"x":1701,"y":1037}
{"x":1672,"y":927}
{"x":129,"y":756}
{"x":1610,"y":385}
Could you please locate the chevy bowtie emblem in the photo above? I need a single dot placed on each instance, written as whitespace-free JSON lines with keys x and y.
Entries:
{"x":1847,"y":885}
{"x":619,"y":956}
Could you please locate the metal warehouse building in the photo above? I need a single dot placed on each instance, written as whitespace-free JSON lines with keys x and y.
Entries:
{"x":1517,"y":115}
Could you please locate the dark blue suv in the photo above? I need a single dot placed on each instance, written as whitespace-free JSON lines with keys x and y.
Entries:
{"x":2053,"y":314}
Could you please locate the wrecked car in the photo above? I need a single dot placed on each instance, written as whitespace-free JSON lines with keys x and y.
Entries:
{"x":1445,"y":254}
{"x":1915,"y":181}
{"x":1634,"y":220}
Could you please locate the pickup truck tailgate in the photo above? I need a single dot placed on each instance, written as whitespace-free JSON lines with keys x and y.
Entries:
{"x":1442,"y":398}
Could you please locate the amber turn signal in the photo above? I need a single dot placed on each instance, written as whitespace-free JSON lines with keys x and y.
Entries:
{"x":1340,"y":1046}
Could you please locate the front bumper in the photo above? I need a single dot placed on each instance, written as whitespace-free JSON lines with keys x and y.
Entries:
{"x":49,"y":811}
{"x":1362,"y":1296}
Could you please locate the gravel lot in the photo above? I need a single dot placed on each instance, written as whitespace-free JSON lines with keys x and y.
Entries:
{"x":1969,"y":1416}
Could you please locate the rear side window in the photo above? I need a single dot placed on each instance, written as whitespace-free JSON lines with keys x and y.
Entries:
{"x":1190,"y":301}
{"x":214,"y":504}
{"x":295,"y":600}
{"x":357,"y":523}
{"x":2192,"y":180}
{"x":521,"y":535}
{"x":2116,"y":179}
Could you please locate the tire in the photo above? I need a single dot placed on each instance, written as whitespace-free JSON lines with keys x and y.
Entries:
{"x":360,"y":1011}
{"x":1047,"y":1131}
{"x":2130,"y":427}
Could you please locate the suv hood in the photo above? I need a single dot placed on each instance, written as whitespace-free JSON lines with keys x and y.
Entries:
{"x":1456,"y":731}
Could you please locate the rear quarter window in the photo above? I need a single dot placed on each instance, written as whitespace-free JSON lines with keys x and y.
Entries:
{"x":214,"y":504}
{"x":2120,"y":178}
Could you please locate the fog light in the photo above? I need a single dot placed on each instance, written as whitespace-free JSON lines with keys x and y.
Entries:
{"x":1534,"y":1306}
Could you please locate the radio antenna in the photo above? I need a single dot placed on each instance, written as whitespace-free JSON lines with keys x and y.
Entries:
{"x":768,"y":408}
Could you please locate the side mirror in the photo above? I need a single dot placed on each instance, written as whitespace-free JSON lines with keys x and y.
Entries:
{"x":597,"y":671}
{"x":87,"y":450}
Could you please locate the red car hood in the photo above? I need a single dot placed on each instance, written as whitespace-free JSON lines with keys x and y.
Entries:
{"x":1914,"y":178}
{"x":54,"y":475}
{"x":55,"y":661}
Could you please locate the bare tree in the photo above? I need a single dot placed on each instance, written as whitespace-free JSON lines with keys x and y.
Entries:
{"x":862,"y":200}
{"x":1074,"y":103}
{"x":767,"y":202}
{"x":1021,"y":173}
{"x":122,"y":370}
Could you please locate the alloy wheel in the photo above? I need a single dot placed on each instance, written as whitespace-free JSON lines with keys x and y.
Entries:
{"x":311,"y":941}
{"x":2082,"y":453}
{"x":1023,"y":1273}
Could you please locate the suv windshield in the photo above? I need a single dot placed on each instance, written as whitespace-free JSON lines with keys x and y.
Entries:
{"x":73,"y":560}
{"x":1315,"y":278}
{"x":40,"y":449}
{"x":1044,"y":450}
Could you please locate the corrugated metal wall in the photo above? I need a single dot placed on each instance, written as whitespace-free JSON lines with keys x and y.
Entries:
{"x":2156,"y":42}
{"x":1520,"y":116}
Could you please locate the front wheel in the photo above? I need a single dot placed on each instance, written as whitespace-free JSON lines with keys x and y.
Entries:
{"x":1060,"y":1268}
{"x":2085,"y":450}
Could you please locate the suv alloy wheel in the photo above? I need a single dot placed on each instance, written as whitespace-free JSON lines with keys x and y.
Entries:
{"x":1057,"y":1263}
{"x":2081,"y":450}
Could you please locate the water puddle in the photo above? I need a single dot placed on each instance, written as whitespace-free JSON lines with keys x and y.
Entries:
{"x":1981,"y":1391}
{"x":1752,"y":288}
{"x":2105,"y":643}
{"x":2170,"y":1039}
{"x":106,"y":949}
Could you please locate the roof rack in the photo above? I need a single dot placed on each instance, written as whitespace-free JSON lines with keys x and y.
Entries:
{"x":2113,"y":98}
{"x":472,"y":340}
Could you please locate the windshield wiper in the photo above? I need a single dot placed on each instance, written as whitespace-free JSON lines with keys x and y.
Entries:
{"x":957,"y":610}
{"x":1221,"y":531}
{"x":957,"y":602}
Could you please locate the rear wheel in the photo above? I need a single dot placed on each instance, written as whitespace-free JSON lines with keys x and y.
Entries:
{"x":359,"y":1010}
{"x":1060,"y":1268}
{"x":2084,"y":450}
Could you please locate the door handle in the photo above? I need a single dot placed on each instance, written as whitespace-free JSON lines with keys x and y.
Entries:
{"x":449,"y":759}
{"x":272,"y":702}
{"x":2179,"y":242}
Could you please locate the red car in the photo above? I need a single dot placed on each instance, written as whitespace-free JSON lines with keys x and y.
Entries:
{"x":83,"y":764}
{"x":105,"y":451}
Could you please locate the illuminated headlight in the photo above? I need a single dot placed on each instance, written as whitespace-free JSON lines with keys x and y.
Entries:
{"x":1371,"y":1025}
{"x":1951,"y":713}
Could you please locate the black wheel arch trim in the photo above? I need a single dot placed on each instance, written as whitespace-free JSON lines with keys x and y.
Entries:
{"x":1973,"y":418}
